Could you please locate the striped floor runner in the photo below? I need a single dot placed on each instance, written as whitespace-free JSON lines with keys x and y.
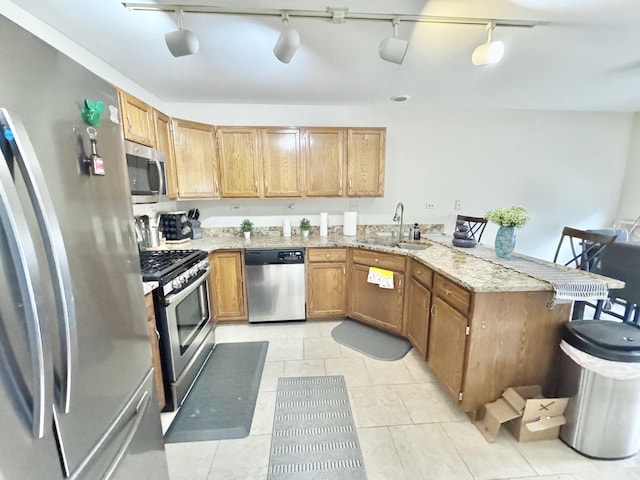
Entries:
{"x":314,"y":436}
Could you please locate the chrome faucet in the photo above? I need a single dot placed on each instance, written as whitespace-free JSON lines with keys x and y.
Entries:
{"x":399,"y":218}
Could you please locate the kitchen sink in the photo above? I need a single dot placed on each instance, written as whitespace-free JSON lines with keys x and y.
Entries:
{"x":393,"y":243}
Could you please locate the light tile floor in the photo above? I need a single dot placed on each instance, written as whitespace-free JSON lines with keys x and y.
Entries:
{"x":407,"y":427}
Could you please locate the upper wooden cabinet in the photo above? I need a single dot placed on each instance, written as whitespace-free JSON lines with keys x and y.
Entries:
{"x":281,"y":163}
{"x":164,"y":143}
{"x":195,"y":160}
{"x":323,"y":153}
{"x":365,"y":162}
{"x":240,"y":165}
{"x":137,"y":120}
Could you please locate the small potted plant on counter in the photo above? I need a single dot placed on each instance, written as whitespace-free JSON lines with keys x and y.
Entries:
{"x":245,"y":227}
{"x":305,"y":226}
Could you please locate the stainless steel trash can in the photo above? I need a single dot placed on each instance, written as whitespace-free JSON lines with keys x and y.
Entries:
{"x":602,"y":378}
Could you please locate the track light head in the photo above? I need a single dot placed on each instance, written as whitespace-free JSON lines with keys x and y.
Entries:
{"x":181,"y":42}
{"x":490,"y":52}
{"x":288,"y":42}
{"x":393,"y":49}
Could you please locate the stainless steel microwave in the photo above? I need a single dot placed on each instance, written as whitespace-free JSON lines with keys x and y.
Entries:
{"x":147,"y":173}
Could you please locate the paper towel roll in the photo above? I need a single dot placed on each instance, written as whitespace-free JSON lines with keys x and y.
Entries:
{"x":324,"y":224}
{"x":286,"y":227}
{"x":350,"y":224}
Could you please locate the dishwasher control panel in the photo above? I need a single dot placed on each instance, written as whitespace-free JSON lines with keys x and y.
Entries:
{"x":273,"y":256}
{"x":290,"y":256}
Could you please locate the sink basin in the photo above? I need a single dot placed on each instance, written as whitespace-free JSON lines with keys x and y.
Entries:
{"x":392,"y":243}
{"x":411,"y":246}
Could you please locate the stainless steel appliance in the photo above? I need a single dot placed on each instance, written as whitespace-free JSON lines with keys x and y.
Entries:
{"x":275,"y":284}
{"x":76,"y":383}
{"x":183,"y":316}
{"x":147,"y":173}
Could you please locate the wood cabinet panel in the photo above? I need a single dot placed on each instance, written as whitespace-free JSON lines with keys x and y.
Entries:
{"x":137,"y":119}
{"x":455,"y":295}
{"x":419,"y":304}
{"x":154,"y":336}
{"x":365,"y":162}
{"x":228,"y":286}
{"x":377,"y":306}
{"x":447,"y":343}
{"x":240,"y":165}
{"x":281,"y":162}
{"x":326,"y":290}
{"x":421,"y":273}
{"x":324,"y":160}
{"x":195,"y":158}
{"x":378,"y":259}
{"x":327,"y":254}
{"x":164,"y":143}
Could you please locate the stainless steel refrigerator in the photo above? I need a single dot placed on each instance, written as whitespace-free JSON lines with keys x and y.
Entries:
{"x":76,"y":384}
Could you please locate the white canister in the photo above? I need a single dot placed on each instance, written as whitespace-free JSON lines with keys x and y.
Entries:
{"x":349,"y":227}
{"x":324,"y":224}
{"x":286,"y":227}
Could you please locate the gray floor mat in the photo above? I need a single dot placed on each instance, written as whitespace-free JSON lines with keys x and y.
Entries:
{"x":370,"y":341}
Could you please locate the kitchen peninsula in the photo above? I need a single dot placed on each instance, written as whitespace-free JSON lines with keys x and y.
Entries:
{"x":480,"y":326}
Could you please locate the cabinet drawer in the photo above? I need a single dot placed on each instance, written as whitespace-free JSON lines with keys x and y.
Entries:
{"x":454,"y":295}
{"x":377,"y":259}
{"x":421,"y":273}
{"x":327,"y":254}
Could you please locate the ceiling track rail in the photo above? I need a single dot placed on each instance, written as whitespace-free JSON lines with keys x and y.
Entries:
{"x":335,"y":15}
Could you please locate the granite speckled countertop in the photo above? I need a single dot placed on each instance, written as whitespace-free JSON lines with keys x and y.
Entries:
{"x":476,"y":274}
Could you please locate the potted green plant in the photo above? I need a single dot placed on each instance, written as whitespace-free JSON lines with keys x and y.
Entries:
{"x":509,"y":219}
{"x":305,"y":226}
{"x":246,"y":227}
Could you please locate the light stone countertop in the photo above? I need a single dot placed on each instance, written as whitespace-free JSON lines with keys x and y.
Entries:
{"x":473,"y":273}
{"x":149,"y":287}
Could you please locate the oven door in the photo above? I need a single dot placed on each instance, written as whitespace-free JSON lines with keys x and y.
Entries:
{"x":188,"y":318}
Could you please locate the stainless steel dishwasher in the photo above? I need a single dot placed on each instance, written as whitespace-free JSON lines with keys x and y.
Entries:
{"x":275,"y":284}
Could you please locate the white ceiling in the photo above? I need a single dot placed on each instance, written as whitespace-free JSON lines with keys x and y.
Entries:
{"x":586,"y":58}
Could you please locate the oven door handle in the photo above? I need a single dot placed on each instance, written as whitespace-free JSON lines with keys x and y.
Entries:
{"x":182,"y":294}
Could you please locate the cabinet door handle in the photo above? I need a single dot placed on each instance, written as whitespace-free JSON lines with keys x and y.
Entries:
{"x":344,"y":271}
{"x":349,"y":184}
{"x":128,"y":122}
{"x":376,"y":260}
{"x":433,"y":310}
{"x":266,"y":186}
{"x":327,"y":255}
{"x":157,"y":333}
{"x":447,"y":291}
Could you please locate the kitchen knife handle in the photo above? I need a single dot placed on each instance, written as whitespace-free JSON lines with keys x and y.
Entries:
{"x":51,"y":232}
{"x":23,"y":255}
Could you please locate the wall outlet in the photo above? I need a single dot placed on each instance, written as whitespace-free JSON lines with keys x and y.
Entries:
{"x":354,"y":206}
{"x":291,"y":206}
{"x":458,"y":205}
{"x":429,"y":206}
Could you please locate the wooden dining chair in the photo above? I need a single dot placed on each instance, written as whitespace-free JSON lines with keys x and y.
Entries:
{"x":476,"y":225}
{"x":585,"y":247}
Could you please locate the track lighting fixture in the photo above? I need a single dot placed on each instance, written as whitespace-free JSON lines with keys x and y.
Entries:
{"x":393,"y":49}
{"x":490,"y":52}
{"x":288,"y":41}
{"x":181,"y":42}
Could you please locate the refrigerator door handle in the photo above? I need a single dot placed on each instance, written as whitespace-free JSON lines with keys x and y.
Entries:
{"x":25,"y":262}
{"x":141,"y":409}
{"x":56,"y":254}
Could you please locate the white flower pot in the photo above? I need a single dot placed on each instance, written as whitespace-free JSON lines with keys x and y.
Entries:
{"x":305,"y":233}
{"x":247,"y":235}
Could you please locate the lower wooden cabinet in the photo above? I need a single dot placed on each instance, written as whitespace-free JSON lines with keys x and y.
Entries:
{"x":447,"y":342}
{"x":228,"y":289}
{"x":155,"y":349}
{"x":380,"y":307}
{"x":326,"y":282}
{"x":418,"y":306}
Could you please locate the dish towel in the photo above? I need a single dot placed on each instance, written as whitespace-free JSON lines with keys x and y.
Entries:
{"x":382,"y":278}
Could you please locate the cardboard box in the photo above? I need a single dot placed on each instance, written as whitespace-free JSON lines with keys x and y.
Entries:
{"x":527,"y":415}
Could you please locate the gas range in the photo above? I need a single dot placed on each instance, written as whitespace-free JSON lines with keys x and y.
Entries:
{"x":172,"y":269}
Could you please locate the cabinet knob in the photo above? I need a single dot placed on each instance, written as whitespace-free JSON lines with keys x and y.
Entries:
{"x":376,"y":260}
{"x":327,"y":255}
{"x":447,"y":291}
